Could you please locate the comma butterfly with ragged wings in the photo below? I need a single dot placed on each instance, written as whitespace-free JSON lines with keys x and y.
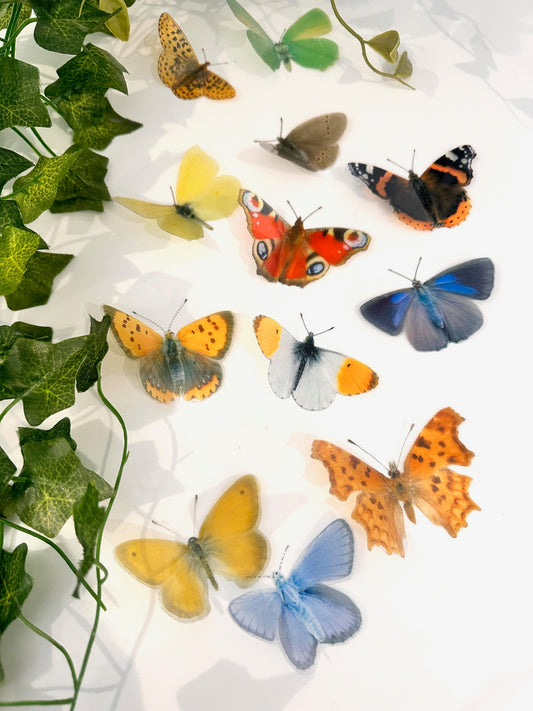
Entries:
{"x":437,"y":198}
{"x":178,"y":66}
{"x":426,"y":482}
{"x":293,"y":255}
{"x":171,"y":365}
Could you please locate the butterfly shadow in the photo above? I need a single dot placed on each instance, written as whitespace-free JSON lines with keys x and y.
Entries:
{"x":259,"y":694}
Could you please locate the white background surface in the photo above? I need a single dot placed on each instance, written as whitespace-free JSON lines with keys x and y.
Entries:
{"x":448,"y":628}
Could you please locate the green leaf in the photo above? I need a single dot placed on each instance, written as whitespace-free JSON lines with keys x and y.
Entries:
{"x":7,"y":470}
{"x":10,"y":215}
{"x":83,"y":187}
{"x":6,"y":8}
{"x":42,"y":375}
{"x":88,"y":518}
{"x":21,"y":103}
{"x":16,"y":248}
{"x":15,"y":586}
{"x":62,"y":25}
{"x":57,"y":480}
{"x":88,"y":372}
{"x":36,"y":285}
{"x":404,"y":67}
{"x":119,"y":24}
{"x":36,"y":191}
{"x":11,"y":164}
{"x":29,"y":330}
{"x":92,"y":70}
{"x":60,"y":429}
{"x":386,"y":45}
{"x":93,"y":119}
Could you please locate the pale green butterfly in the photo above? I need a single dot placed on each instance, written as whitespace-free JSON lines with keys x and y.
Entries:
{"x":301,"y":42}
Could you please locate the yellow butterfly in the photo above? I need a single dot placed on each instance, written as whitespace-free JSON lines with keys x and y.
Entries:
{"x":228,"y":544}
{"x":179,"y":68}
{"x":200,"y":195}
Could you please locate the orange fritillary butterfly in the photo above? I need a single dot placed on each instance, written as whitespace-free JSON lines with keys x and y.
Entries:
{"x":426,"y":482}
{"x":178,"y":66}
{"x":171,"y":365}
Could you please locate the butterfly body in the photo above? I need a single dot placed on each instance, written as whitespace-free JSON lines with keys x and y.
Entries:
{"x":312,"y":144}
{"x":426,"y":482}
{"x":312,"y":375}
{"x":294,"y":255}
{"x":438,"y":311}
{"x":178,"y":66}
{"x":201,"y":195}
{"x":172,"y":365}
{"x":301,"y":610}
{"x":228,"y":544}
{"x":300,"y":43}
{"x":437,"y":198}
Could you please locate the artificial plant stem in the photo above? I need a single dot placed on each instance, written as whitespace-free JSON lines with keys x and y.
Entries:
{"x":55,"y":643}
{"x":27,"y":140}
{"x":42,"y":141}
{"x":44,"y":702}
{"x":99,"y":578}
{"x":59,"y":551}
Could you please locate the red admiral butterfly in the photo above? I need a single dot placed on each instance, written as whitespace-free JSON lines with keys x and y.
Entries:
{"x":437,"y":198}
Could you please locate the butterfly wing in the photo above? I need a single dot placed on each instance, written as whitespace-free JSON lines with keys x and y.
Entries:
{"x":210,"y":336}
{"x":329,"y":556}
{"x":439,"y":492}
{"x":377,"y":507}
{"x":313,"y":143}
{"x":279,"y":346}
{"x":327,"y":373}
{"x":229,"y":537}
{"x":258,"y":38}
{"x":134,"y":337}
{"x":387,"y":312}
{"x":304,"y":48}
{"x":168,"y":217}
{"x":445,"y":179}
{"x":338,"y":616}
{"x":169,"y":566}
{"x":258,"y":613}
{"x":178,"y":62}
{"x":298,"y":643}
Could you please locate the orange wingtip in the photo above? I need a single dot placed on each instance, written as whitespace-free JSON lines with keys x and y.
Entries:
{"x":268,"y":334}
{"x":355,"y":377}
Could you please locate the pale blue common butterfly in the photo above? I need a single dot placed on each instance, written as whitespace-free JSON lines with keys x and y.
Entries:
{"x":303,"y":611}
{"x":437,"y":311}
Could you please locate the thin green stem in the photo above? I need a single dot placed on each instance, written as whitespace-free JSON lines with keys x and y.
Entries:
{"x":99,"y":578}
{"x":363,"y":44}
{"x":47,"y":702}
{"x":54,"y":642}
{"x":8,"y":408}
{"x":42,"y":141}
{"x":59,"y":551}
{"x":27,"y":140}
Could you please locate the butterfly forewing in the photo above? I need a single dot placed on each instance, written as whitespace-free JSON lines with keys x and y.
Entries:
{"x":134,"y":337}
{"x":210,"y":336}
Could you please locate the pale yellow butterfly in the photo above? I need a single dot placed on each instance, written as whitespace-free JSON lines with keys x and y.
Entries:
{"x":228,"y":543}
{"x":200,"y":196}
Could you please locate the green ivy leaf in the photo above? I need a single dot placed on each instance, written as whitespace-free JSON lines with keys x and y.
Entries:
{"x":92,"y":70}
{"x":57,"y":480}
{"x":36,"y":191}
{"x":36,"y":284}
{"x":60,"y":429}
{"x":404,"y":67}
{"x":16,"y":248}
{"x":15,"y":586}
{"x":7,"y":470}
{"x":62,"y":25}
{"x":88,"y":372}
{"x":21,"y":103}
{"x":386,"y":45}
{"x":11,"y":164}
{"x":83,"y":187}
{"x":93,"y":120}
{"x":88,"y":518}
{"x":42,"y":375}
{"x":29,"y":330}
{"x":10,"y":215}
{"x":6,"y":8}
{"x":119,"y":24}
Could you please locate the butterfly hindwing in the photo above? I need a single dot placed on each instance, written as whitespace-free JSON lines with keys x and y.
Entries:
{"x":437,"y":198}
{"x":426,"y":482}
{"x":179,"y":68}
{"x":438,"y":311}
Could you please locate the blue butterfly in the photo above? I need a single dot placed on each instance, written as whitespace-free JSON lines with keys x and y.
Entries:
{"x":301,"y":610}
{"x":438,"y":311}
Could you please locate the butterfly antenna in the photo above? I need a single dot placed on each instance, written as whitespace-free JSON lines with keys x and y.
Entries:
{"x":145,"y":318}
{"x":315,"y":334}
{"x":195,"y":505}
{"x":283,"y":557}
{"x":164,"y":525}
{"x":292,"y":208}
{"x":405,"y":440}
{"x":413,"y":161}
{"x":312,"y":213}
{"x":177,"y":312}
{"x":173,"y":196}
{"x":398,"y":165}
{"x":416,"y":270}
{"x":281,"y":126}
{"x":369,"y":453}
